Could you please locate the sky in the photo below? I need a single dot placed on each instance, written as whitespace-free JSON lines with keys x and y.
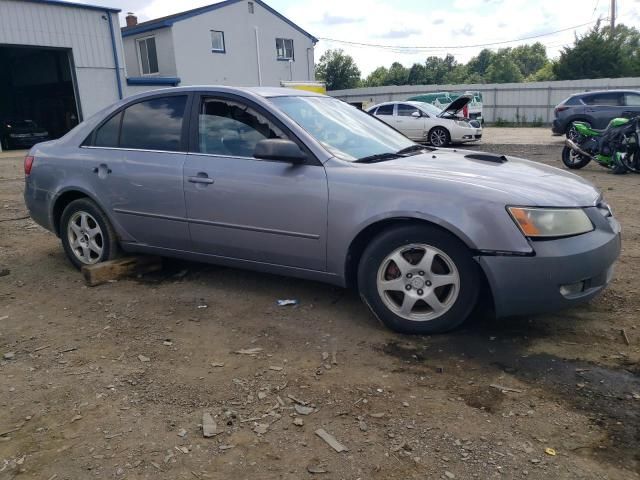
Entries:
{"x":436,"y":27}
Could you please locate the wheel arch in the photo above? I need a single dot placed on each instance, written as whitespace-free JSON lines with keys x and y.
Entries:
{"x":370,"y":231}
{"x":64,"y":198}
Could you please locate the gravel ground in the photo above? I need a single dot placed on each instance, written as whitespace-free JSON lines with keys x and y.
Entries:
{"x":113,"y":381}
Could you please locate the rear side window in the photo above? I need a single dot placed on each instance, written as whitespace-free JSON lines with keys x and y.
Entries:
{"x":385,"y":110}
{"x":154,"y":124}
{"x":107,"y":135}
{"x":572,"y":101}
{"x":607,"y":99}
{"x":632,"y":99}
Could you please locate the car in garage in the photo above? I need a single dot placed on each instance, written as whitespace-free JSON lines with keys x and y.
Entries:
{"x":423,"y":122}
{"x":21,"y":134}
{"x":301,"y":184}
{"x":596,"y":109}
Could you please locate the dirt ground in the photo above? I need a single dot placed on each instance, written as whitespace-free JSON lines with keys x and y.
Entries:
{"x":113,"y":381}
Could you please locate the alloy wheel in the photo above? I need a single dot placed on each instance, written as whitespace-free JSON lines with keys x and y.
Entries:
{"x":85,"y":237}
{"x":418,"y":282}
{"x":438,"y":137}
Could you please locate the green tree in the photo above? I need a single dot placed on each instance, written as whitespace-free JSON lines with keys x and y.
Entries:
{"x":543,"y":74}
{"x":480,"y":62}
{"x":503,"y":69}
{"x":417,"y":74}
{"x":530,"y":58}
{"x":397,"y":75}
{"x":599,"y":54}
{"x":377,"y":78}
{"x":338,"y":70}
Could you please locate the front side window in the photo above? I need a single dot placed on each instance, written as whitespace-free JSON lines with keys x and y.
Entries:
{"x":345,"y":131}
{"x":154,"y":124}
{"x":230,"y":128}
{"x":148,"y":56}
{"x":405,"y":110}
{"x":217,"y":41}
{"x":385,"y":110}
{"x":284,"y":48}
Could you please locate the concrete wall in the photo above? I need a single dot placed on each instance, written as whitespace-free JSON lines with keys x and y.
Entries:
{"x":84,"y":31}
{"x":524,"y":102}
{"x":193,"y":61}
{"x":164,"y":49}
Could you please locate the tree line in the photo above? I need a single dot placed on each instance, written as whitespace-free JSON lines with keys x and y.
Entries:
{"x":599,"y":53}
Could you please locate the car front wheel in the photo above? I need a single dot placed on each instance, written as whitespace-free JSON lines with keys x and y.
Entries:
{"x":87,"y":236}
{"x":439,"y":137}
{"x":418,"y":280}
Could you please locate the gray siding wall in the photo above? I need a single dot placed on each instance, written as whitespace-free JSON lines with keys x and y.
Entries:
{"x":189,"y":55}
{"x":83,"y":31}
{"x":164,"y":48}
{"x":524,"y":102}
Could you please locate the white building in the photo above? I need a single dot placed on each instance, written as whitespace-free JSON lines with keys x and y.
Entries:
{"x":234,"y":42}
{"x":60,"y":62}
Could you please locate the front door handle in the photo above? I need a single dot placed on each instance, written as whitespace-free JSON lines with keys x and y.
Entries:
{"x":201,"y":177}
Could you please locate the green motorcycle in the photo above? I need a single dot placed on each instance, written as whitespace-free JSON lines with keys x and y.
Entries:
{"x":615,"y":147}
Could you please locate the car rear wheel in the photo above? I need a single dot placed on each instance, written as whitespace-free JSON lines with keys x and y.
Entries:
{"x":87,"y":236}
{"x":439,"y":137}
{"x":418,"y":280}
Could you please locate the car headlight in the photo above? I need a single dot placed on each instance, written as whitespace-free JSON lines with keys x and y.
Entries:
{"x":462,"y":123}
{"x":550,"y":222}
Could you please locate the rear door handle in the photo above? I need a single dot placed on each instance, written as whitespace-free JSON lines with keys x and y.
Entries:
{"x":201,"y":178}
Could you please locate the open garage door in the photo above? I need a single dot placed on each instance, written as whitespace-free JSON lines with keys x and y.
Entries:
{"x":37,"y":95}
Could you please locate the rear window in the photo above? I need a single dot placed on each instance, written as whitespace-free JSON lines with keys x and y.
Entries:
{"x":154,"y":124}
{"x":107,"y":134}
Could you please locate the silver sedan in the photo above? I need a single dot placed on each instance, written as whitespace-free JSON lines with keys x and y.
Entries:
{"x":301,"y":184}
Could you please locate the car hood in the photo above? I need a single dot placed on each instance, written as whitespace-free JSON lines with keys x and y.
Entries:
{"x":521,"y":181}
{"x":454,"y":107}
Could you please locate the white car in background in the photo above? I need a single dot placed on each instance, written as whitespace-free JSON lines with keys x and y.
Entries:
{"x":423,"y":122}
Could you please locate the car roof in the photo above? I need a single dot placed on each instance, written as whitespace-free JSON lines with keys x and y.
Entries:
{"x":614,"y":90}
{"x":266,"y":92}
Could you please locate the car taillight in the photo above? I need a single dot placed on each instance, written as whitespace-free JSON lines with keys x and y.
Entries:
{"x":561,"y":109}
{"x":28,"y":164}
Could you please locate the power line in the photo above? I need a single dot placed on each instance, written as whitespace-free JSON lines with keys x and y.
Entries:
{"x":450,"y":47}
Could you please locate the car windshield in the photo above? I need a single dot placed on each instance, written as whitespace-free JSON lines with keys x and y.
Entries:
{"x":345,"y":131}
{"x":430,"y":109}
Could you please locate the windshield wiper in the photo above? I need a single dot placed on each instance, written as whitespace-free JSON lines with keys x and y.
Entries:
{"x":415,"y":148}
{"x":378,"y":157}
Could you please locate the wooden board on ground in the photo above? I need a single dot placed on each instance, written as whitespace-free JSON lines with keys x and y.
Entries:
{"x":119,"y":268}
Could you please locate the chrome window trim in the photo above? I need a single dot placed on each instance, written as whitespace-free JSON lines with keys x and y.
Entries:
{"x":133,"y":149}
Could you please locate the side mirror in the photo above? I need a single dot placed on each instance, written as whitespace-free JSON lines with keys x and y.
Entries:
{"x":416,"y":114}
{"x":279,"y":149}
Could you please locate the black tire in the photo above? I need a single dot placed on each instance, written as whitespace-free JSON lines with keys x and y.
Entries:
{"x":439,"y":137}
{"x":575,"y":162}
{"x":571,"y":132}
{"x":375,"y":256}
{"x":108,"y":239}
{"x":632,"y":161}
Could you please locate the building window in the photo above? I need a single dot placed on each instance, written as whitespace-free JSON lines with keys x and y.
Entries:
{"x":148,"y":55}
{"x":217,"y":41}
{"x":284,"y":48}
{"x":250,"y":5}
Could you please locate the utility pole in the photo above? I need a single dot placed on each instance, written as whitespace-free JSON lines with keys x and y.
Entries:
{"x":613,"y":16}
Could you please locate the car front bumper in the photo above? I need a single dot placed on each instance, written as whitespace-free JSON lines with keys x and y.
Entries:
{"x":561,"y":273}
{"x":463,"y":135}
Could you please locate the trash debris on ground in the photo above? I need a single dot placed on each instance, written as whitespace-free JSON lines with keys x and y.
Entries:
{"x":182,"y":433}
{"x":298,"y":422}
{"x":550,"y":451}
{"x":331,"y":440}
{"x":9,"y":356}
{"x":288,"y":301}
{"x":209,"y":427}
{"x":261,"y":428}
{"x":275,"y":368}
{"x":143,"y":358}
{"x":217,"y":364}
{"x":249,"y":351}
{"x":625,"y":337}
{"x":316,"y":469}
{"x":303,"y":410}
{"x":505,"y":389}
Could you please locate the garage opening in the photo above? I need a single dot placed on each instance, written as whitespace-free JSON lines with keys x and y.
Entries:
{"x":37,"y":95}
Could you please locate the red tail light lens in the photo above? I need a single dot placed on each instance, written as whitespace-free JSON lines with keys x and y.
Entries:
{"x":561,"y":109}
{"x":28,"y":164}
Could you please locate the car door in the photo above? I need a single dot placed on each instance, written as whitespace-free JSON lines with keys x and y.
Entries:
{"x":385,"y":113}
{"x":244,"y":208}
{"x":412,"y":126}
{"x":602,"y":107}
{"x":140,"y":179}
